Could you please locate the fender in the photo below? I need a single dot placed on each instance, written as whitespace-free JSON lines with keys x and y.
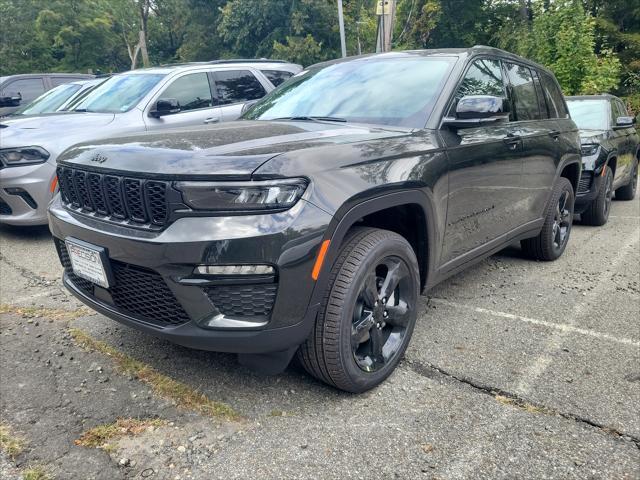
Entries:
{"x":348,"y":215}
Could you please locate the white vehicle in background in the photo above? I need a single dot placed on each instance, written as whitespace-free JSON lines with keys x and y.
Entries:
{"x":58,"y":99}
{"x":128,"y":103}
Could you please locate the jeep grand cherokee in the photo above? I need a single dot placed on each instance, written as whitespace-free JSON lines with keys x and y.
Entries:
{"x":312,"y":225}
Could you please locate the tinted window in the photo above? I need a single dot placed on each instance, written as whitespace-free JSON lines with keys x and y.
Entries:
{"x":523,"y":92}
{"x":484,"y":77}
{"x":120,"y":93}
{"x":29,"y":88}
{"x":398,"y":91}
{"x":553,"y":96}
{"x":192,"y":91}
{"x":621,"y":110}
{"x":238,"y":86}
{"x":542,"y":104}
{"x":276,"y":76}
{"x":590,"y":114}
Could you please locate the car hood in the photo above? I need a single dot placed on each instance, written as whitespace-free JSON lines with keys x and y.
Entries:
{"x":234,"y":149}
{"x":36,"y":130}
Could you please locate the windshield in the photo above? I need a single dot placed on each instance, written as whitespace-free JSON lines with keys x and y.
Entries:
{"x":49,"y":101}
{"x":589,"y":114}
{"x":120,"y":93}
{"x":398,"y":91}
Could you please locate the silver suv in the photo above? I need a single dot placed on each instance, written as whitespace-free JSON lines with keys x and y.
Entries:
{"x":129,"y":103}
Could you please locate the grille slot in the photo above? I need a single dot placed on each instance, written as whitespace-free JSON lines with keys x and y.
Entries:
{"x":243,"y":300}
{"x":137,"y":291}
{"x":5,"y":209}
{"x":137,"y":201}
{"x":585,"y":182}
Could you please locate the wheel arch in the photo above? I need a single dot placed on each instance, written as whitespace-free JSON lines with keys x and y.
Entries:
{"x":388,"y":212}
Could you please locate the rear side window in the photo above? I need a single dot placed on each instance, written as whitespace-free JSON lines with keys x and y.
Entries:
{"x":524,"y":92}
{"x":484,"y":77}
{"x":276,"y":76}
{"x":29,"y":88}
{"x":542,"y":103}
{"x":237,"y":86}
{"x":553,"y":96}
{"x":192,"y":91}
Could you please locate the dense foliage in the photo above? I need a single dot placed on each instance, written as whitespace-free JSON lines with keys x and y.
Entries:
{"x":591,"y":45}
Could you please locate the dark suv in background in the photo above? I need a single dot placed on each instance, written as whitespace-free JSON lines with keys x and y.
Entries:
{"x":609,"y":155}
{"x":312,"y":225}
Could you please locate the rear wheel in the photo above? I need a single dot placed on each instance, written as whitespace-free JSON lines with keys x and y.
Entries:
{"x":368,"y":313}
{"x":597,"y":213}
{"x":628,"y":192}
{"x":554,"y":236}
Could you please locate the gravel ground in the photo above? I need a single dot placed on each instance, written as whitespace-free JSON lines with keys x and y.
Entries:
{"x":517,"y":369}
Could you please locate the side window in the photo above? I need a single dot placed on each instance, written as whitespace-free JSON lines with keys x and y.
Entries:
{"x":542,"y":103}
{"x":524,"y":92}
{"x":621,"y":110}
{"x":29,"y":88}
{"x":192,"y":91}
{"x":277,"y":77}
{"x":554,"y":97}
{"x":237,"y":86}
{"x":484,"y":77}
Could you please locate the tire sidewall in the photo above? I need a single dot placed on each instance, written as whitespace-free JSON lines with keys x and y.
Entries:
{"x":563,"y":186}
{"x":389,"y":247}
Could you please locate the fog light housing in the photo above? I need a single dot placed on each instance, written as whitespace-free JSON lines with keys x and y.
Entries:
{"x":232,"y":270}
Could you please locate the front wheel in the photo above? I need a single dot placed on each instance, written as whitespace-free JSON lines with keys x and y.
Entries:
{"x":597,"y":213}
{"x":558,"y":220}
{"x":368,"y":313}
{"x":628,"y":192}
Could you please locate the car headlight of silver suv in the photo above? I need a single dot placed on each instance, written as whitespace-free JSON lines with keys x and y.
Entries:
{"x":238,"y":196}
{"x":19,"y":156}
{"x":589,"y":149}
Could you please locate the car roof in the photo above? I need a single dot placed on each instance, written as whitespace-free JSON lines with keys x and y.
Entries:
{"x":260,"y":64}
{"x":457,"y":52}
{"x":38,"y":75}
{"x":601,"y":96}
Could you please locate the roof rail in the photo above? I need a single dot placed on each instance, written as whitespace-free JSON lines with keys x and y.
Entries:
{"x":224,"y":61}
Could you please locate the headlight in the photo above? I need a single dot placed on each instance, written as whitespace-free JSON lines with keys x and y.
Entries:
{"x":16,"y":157}
{"x":589,"y":149}
{"x":237,"y":196}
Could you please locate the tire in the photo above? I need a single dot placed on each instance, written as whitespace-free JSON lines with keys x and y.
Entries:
{"x":597,"y":213}
{"x":628,"y":192}
{"x":345,"y":349}
{"x":550,"y":243}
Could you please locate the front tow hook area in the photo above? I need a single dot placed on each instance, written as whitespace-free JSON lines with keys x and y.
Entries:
{"x":267,"y":363}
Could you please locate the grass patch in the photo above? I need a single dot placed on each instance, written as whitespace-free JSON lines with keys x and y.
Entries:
{"x":11,"y":444}
{"x":46,"y":313}
{"x":183,"y":395}
{"x":35,"y":473}
{"x":527,"y":407}
{"x":99,"y":436}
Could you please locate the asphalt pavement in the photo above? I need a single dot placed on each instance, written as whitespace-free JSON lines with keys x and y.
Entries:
{"x":517,"y":369}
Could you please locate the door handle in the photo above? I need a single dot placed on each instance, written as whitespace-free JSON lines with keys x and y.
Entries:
{"x":212,"y":120}
{"x":555,"y":134}
{"x":512,"y":141}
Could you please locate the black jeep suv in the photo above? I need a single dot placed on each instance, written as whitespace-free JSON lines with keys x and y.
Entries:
{"x":312,"y":225}
{"x":609,"y":155}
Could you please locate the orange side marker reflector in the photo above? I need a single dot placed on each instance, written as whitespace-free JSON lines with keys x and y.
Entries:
{"x":604,"y":169}
{"x":320,"y":260}
{"x":54,"y":184}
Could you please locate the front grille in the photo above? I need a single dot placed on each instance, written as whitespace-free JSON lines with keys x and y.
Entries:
{"x":137,"y":291}
{"x":243,"y":300}
{"x":585,"y":182}
{"x":115,"y":198}
{"x":5,"y":209}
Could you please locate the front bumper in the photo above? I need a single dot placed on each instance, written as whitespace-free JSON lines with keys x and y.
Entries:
{"x":288,"y":240}
{"x":35,"y":181}
{"x":588,"y":189}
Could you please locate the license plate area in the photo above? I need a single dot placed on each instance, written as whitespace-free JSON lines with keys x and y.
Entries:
{"x":90,"y":262}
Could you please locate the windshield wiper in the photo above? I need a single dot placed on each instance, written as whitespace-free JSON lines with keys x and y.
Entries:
{"x":306,"y":118}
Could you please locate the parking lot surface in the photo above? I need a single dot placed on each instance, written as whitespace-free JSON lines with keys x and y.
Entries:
{"x":517,"y":369}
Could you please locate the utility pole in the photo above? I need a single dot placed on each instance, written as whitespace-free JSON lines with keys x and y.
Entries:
{"x":386,"y":11}
{"x":343,"y":43}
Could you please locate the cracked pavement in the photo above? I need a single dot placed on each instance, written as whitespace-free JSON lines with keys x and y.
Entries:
{"x":516,"y":369}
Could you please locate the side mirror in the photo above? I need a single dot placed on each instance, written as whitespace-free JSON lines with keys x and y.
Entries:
{"x":10,"y":99}
{"x":625,"y":122}
{"x":248,"y":105}
{"x":477,"y":110}
{"x":165,"y":106}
